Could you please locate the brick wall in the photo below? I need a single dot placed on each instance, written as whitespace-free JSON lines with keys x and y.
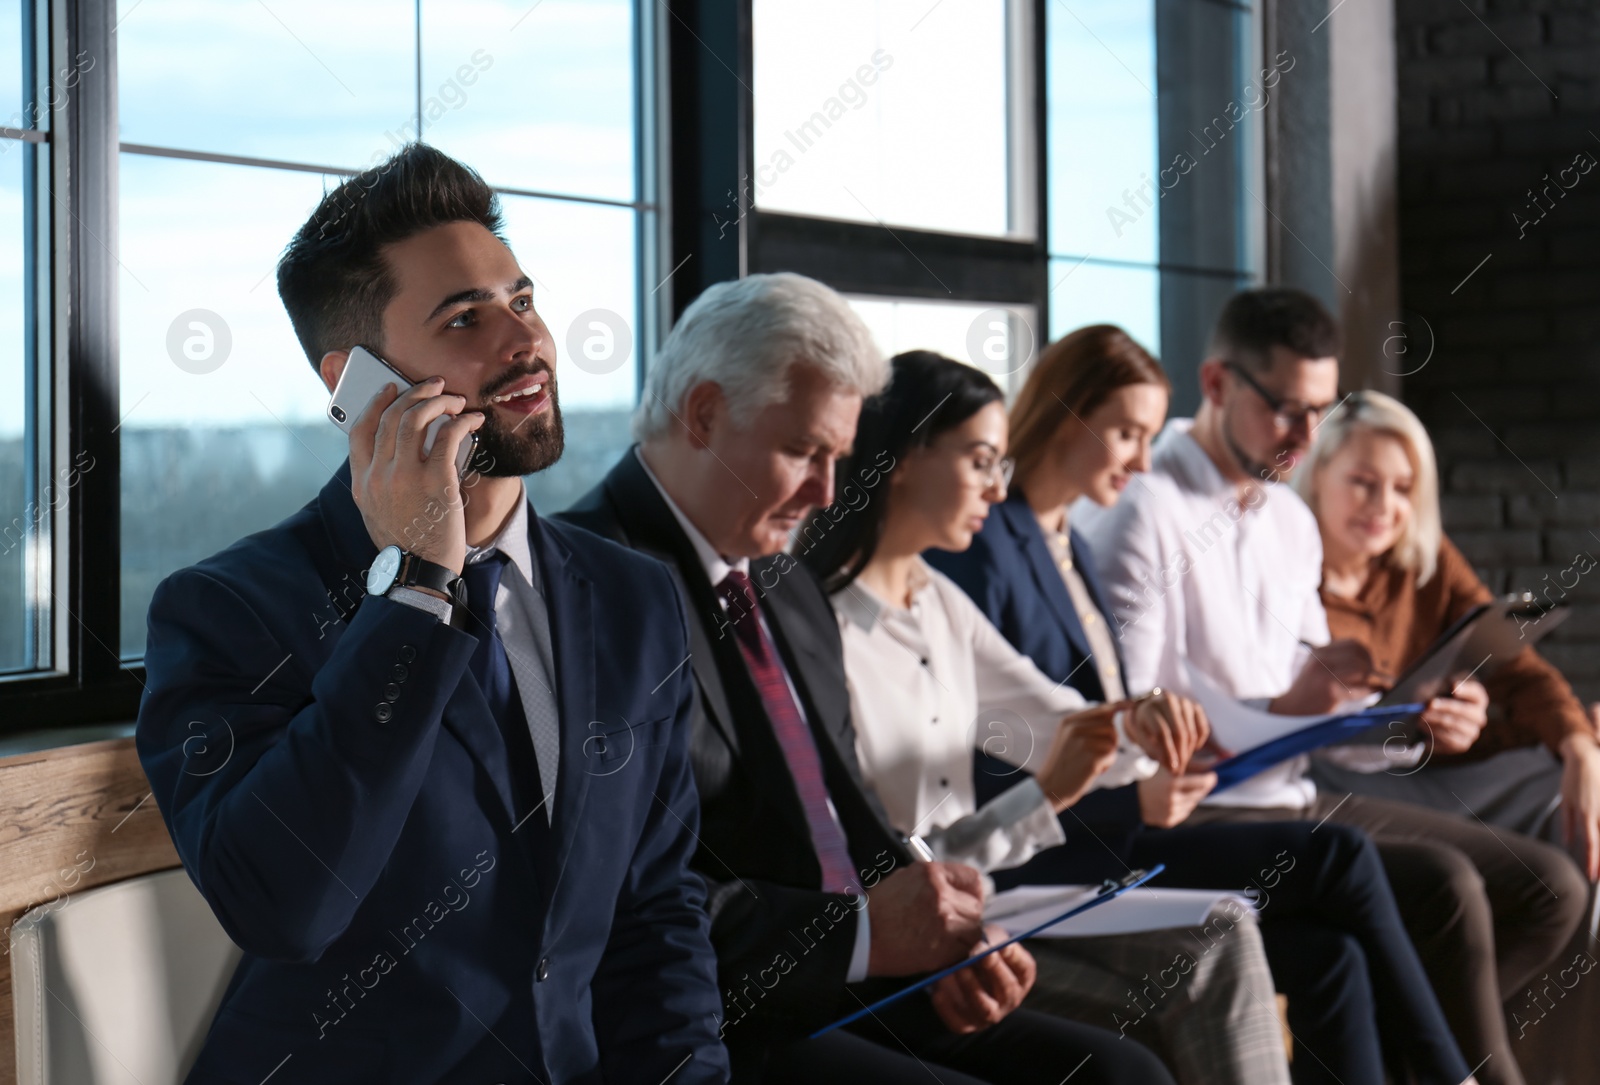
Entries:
{"x":1497,"y":98}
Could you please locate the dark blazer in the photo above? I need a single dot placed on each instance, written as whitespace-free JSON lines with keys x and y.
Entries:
{"x":755,"y":848}
{"x":1009,"y":572}
{"x":337,"y":789}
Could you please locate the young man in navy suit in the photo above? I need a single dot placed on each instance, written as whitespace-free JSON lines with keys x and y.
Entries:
{"x":409,"y":742}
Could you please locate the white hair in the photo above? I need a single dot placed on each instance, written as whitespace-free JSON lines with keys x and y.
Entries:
{"x":1373,"y":412}
{"x":747,"y":336}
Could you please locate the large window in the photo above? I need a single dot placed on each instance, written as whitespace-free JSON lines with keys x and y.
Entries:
{"x":155,"y":158}
{"x":975,"y":177}
{"x":1153,"y":148}
{"x":857,"y":115}
{"x":893,"y":156}
{"x":29,"y":492}
{"x":969,"y":172}
{"x":235,"y":119}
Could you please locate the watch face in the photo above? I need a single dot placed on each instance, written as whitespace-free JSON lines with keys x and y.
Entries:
{"x":385,"y":567}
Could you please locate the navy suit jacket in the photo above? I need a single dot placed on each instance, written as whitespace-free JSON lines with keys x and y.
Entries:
{"x":337,"y":788}
{"x":1010,"y":573}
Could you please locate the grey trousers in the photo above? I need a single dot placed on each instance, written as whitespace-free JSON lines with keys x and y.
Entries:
{"x":1199,"y":997}
{"x":1551,"y":1022}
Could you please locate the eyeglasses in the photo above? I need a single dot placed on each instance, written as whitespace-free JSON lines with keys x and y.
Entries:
{"x":1283,"y":416}
{"x":998,"y":473}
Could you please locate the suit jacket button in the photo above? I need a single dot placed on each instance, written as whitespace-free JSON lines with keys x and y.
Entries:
{"x":391,"y":692}
{"x":383,"y":713}
{"x":399,"y":672}
{"x":543,"y":970}
{"x":407,"y":653}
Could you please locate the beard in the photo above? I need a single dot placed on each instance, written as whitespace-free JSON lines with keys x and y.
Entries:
{"x":530,"y":446}
{"x":1263,"y":472}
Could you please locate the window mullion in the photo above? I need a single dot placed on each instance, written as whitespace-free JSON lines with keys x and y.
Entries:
{"x":84,"y":186}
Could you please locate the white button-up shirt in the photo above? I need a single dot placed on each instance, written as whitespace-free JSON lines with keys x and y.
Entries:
{"x":1192,"y":574}
{"x":929,"y":684}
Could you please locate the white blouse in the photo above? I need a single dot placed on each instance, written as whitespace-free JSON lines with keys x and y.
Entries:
{"x":933,"y":682}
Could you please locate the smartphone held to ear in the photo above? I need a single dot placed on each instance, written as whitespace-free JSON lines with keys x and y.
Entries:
{"x":364,"y":375}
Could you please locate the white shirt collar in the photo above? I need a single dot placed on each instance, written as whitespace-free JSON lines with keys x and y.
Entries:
{"x":862,"y":605}
{"x":513,"y":542}
{"x":1195,"y":465}
{"x":716,"y":566}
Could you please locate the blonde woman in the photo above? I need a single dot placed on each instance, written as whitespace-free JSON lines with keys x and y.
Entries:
{"x":1391,"y":580}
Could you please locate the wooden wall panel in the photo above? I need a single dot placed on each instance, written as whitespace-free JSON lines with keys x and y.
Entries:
{"x":71,"y":818}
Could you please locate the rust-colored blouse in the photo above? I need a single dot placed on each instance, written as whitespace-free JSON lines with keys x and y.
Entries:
{"x":1530,"y":702}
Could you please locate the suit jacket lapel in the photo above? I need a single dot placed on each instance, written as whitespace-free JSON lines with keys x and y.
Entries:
{"x":729,"y":696}
{"x":466,"y":714}
{"x":569,"y":599}
{"x":650,"y":526}
{"x":1091,"y":580}
{"x":819,"y":674}
{"x":1025,"y":528}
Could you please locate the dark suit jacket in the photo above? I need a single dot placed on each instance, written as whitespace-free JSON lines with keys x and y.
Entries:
{"x":755,"y":848}
{"x":1009,"y":572}
{"x":336,"y":787}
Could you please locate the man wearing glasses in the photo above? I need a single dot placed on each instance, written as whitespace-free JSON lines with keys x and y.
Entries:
{"x":1214,"y":564}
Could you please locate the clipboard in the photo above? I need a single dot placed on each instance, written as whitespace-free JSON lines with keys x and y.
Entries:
{"x":1109,"y":891}
{"x":1240,"y":767}
{"x":1477,"y":643}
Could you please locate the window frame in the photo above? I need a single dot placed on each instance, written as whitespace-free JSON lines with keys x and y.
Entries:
{"x":902,"y":262}
{"x":87,"y":683}
{"x":694,"y":138}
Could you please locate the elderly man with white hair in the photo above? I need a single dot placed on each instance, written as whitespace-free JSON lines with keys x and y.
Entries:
{"x":817,"y":907}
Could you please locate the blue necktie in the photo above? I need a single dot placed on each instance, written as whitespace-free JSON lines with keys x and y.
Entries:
{"x":492,"y":670}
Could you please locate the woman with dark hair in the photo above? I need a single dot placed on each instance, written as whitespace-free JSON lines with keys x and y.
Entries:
{"x":942,"y":430}
{"x":923,"y":661}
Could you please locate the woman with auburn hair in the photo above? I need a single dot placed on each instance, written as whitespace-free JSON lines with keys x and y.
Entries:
{"x":927,"y":670}
{"x":1083,"y":425}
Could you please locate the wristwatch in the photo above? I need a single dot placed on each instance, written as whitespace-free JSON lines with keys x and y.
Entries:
{"x":397,"y":568}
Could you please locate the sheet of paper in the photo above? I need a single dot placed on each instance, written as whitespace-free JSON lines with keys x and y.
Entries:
{"x":1236,"y":725}
{"x":1144,"y":909}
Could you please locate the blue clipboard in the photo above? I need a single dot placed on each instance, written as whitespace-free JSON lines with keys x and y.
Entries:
{"x":1109,"y":891}
{"x":1240,"y":767}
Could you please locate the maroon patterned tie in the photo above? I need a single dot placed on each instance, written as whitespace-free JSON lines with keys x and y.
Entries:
{"x":799,"y":748}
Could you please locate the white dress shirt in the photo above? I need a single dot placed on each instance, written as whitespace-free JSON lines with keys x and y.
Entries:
{"x":929,"y":684}
{"x":717,"y":569}
{"x":523,"y":620}
{"x":1194,"y":575}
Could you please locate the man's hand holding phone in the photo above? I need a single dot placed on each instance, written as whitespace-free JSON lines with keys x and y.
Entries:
{"x":407,"y":500}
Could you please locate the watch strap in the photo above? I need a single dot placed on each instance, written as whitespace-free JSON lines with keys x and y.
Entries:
{"x":418,"y":572}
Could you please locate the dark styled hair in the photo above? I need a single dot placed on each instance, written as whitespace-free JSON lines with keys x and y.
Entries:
{"x":1255,"y":321}
{"x":928,"y":394}
{"x":333,"y":278}
{"x":1074,"y":376}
